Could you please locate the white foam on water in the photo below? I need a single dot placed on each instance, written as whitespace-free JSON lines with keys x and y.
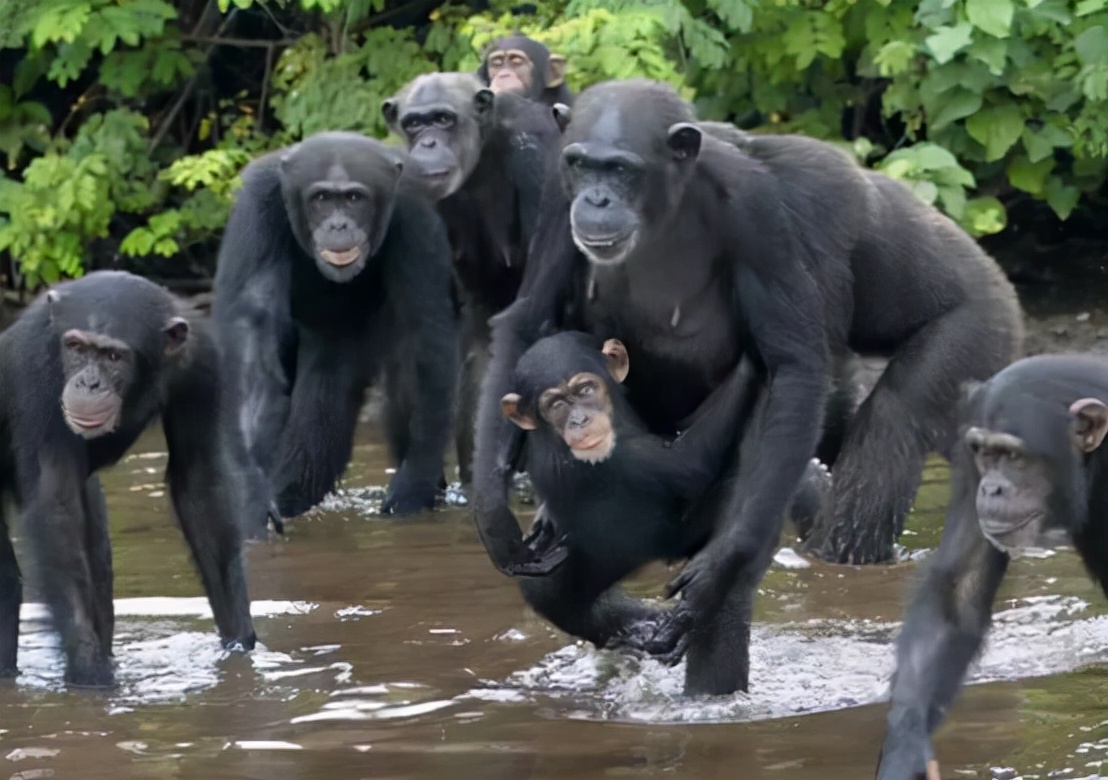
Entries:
{"x":167,"y":606}
{"x":801,"y":668}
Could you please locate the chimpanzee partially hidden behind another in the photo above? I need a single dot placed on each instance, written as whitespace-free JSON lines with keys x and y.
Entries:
{"x":1031,"y":470}
{"x":525,"y":67}
{"x":331,"y":272}
{"x":82,"y":373}
{"x":619,"y":495}
{"x":484,"y":157}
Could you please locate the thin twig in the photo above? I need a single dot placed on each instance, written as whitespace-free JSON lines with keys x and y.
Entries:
{"x":247,"y":42}
{"x":265,"y":87}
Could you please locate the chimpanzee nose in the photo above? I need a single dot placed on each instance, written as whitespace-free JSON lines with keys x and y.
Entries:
{"x":579,"y":420}
{"x":428,"y":143}
{"x":991,"y":490}
{"x":339,"y":225}
{"x":597,"y":198}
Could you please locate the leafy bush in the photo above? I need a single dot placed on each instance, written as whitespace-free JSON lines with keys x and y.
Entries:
{"x":974,"y":103}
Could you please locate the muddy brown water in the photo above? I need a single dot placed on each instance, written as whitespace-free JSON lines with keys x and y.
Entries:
{"x":392,"y":649}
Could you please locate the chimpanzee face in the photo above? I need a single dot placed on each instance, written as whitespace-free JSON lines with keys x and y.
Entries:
{"x":623,"y":171}
{"x":339,"y":190}
{"x":444,"y":118}
{"x":99,"y":371}
{"x":577,"y":408}
{"x":1024,"y":497}
{"x":510,"y":70}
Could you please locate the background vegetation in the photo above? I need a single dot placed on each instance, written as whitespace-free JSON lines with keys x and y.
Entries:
{"x":123,"y":123}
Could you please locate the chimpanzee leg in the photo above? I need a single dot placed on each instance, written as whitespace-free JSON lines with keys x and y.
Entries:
{"x":943,"y":631}
{"x":319,"y":436}
{"x":100,"y":562}
{"x":474,"y":364}
{"x":718,"y":658}
{"x":11,"y":598}
{"x":902,"y":420}
{"x":59,"y":531}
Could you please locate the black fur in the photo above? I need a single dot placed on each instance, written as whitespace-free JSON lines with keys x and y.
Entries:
{"x":946,"y":623}
{"x":777,"y":247}
{"x":49,"y":471}
{"x":302,"y":348}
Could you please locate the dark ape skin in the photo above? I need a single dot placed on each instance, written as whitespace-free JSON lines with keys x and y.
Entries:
{"x":1031,"y":469}
{"x":83,"y":372}
{"x":616,"y":509}
{"x":303,"y":336}
{"x":700,"y":252}
{"x":536,"y":75}
{"x":484,"y":157}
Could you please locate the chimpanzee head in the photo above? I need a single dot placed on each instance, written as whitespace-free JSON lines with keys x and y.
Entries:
{"x":566,"y":387}
{"x":522,"y":66}
{"x":111,"y":346}
{"x":445,"y":118}
{"x":339,"y":189}
{"x":628,"y":151}
{"x":1032,"y":436}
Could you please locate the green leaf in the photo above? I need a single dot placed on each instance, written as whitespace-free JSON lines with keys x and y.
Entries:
{"x":991,"y":51}
{"x":984,"y":216}
{"x":63,"y":22}
{"x":1023,"y":174}
{"x":952,"y":105}
{"x":1092,"y":46}
{"x":1086,"y":7}
{"x":738,"y":15}
{"x":894,"y":58}
{"x":991,"y":16}
{"x":1061,"y":197}
{"x":997,"y":128}
{"x":1041,"y":143}
{"x":948,"y":41}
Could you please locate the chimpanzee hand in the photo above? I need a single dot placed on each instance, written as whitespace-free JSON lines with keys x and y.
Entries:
{"x":273,"y":517}
{"x":409,"y":492}
{"x":535,"y":555}
{"x":907,"y":753}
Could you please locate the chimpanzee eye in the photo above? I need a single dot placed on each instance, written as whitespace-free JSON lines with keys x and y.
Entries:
{"x":354,"y":196}
{"x":114,"y":356}
{"x":497,"y":61}
{"x":319,"y":197}
{"x":443,"y":120}
{"x":586,"y":389}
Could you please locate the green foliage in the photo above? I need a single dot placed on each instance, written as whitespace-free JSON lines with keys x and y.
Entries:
{"x":971,"y":103}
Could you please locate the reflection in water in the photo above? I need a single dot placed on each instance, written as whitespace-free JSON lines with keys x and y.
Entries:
{"x":391,"y":648}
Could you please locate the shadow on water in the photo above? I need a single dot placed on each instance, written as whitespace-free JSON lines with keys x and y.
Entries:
{"x":392,"y":649}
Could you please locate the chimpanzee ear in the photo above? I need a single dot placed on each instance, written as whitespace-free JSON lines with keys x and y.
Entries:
{"x":562,"y":115}
{"x":618,"y":361}
{"x":483,"y":100}
{"x":684,"y":141}
{"x":1090,"y":422}
{"x":52,"y":298}
{"x":390,"y":110}
{"x":555,"y":70}
{"x":509,"y":405}
{"x":176,"y":334}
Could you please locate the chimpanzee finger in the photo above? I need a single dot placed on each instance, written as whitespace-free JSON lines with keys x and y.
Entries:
{"x":670,"y":640}
{"x":273,"y":515}
{"x":538,"y":567}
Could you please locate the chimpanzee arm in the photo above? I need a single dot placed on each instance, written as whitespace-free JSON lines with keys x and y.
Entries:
{"x":547,"y":282}
{"x":688,"y":465}
{"x":942,"y":631}
{"x":206,"y":485}
{"x":251,"y":310}
{"x":420,"y":279}
{"x":782,"y":308}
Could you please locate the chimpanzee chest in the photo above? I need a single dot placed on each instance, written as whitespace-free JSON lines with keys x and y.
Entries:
{"x":681,"y":346}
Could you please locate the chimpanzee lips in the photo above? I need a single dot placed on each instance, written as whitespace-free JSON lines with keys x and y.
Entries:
{"x":343,"y":258}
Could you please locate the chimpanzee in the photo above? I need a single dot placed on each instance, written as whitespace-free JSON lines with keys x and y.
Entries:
{"x":1031,"y":470}
{"x":525,"y":67}
{"x":616,"y":493}
{"x":700,"y":251}
{"x":331,"y":271}
{"x":83,"y":371}
{"x":485,"y":158}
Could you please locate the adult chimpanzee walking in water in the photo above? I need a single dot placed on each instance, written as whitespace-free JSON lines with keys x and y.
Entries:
{"x":1030,"y":470}
{"x":784,"y":250}
{"x":523,"y":66}
{"x":331,"y":273}
{"x":82,"y":373}
{"x":484,"y":157}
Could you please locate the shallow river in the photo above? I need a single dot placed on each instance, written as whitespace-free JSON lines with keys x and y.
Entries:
{"x":393,"y":649}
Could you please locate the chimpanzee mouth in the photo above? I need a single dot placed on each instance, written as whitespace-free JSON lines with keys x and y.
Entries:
{"x":606,"y":249}
{"x":343,"y":258}
{"x":90,"y":426}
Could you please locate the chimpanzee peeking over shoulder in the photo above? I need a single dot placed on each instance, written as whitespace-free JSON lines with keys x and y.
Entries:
{"x":1031,"y":470}
{"x":618,"y":494}
{"x":523,"y":66}
{"x":332,"y":272}
{"x":82,"y":373}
